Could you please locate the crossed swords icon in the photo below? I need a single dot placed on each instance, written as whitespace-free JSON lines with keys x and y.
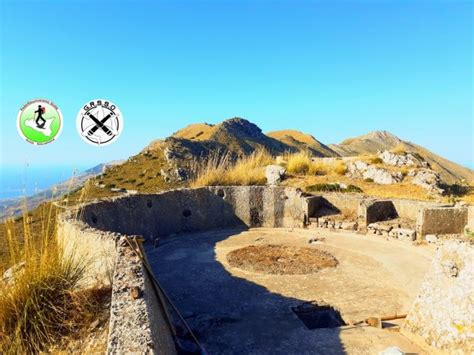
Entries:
{"x":90,"y":130}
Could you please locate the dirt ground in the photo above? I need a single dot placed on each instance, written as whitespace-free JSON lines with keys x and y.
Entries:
{"x":241,"y":311}
{"x":280,"y":259}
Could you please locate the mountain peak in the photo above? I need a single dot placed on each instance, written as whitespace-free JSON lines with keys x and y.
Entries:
{"x":240,"y":126}
{"x":382,"y":135}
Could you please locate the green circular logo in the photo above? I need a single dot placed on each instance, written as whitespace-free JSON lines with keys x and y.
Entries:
{"x":39,"y":121}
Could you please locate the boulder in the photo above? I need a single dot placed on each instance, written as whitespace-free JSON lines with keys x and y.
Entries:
{"x":429,"y":180}
{"x":359,"y":169}
{"x":10,"y":274}
{"x":351,"y":226}
{"x":431,"y":238}
{"x":118,"y":189}
{"x":401,"y":160}
{"x":373,"y":226}
{"x":392,"y":351}
{"x":274,"y":174}
{"x":403,"y":233}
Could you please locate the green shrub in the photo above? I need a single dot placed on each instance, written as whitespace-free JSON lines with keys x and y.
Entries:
{"x":376,"y":160}
{"x":333,"y":188}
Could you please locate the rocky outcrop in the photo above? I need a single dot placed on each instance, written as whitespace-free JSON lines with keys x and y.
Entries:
{"x":243,"y":138}
{"x":10,"y":274}
{"x":274,"y":174}
{"x":401,"y":160}
{"x":427,"y":179}
{"x":359,"y":169}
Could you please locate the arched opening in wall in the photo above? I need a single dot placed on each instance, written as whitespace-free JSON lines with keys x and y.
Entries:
{"x":221,"y":193}
{"x":149,"y":203}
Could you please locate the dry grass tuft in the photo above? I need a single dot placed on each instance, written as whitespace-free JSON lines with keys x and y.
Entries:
{"x":303,"y":164}
{"x":340,"y":168}
{"x":40,"y":303}
{"x":298,"y":163}
{"x":404,"y":170}
{"x":221,"y":170}
{"x":371,"y":159}
{"x":318,"y":168}
{"x":399,"y":150}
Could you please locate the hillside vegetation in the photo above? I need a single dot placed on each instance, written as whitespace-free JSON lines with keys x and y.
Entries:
{"x":218,"y":156}
{"x":201,"y":154}
{"x":373,"y":142}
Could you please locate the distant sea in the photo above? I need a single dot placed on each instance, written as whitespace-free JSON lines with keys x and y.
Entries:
{"x":21,"y":181}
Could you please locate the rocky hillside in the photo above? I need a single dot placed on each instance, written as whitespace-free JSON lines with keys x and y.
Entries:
{"x":170,"y":162}
{"x":370,"y":143}
{"x":303,"y":141}
{"x":236,"y":135}
{"x":379,"y":141}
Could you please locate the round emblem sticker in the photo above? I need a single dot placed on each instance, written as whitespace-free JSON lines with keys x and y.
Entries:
{"x":99,"y":122}
{"x":39,"y":121}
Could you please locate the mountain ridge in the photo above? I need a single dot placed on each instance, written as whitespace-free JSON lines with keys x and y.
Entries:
{"x":242,"y":137}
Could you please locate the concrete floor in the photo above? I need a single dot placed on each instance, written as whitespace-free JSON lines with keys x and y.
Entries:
{"x":234,"y":311}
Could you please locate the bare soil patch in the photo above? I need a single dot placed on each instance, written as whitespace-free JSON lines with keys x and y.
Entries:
{"x":281,"y":259}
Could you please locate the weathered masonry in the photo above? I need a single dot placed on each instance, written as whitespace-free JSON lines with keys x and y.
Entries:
{"x":97,"y":234}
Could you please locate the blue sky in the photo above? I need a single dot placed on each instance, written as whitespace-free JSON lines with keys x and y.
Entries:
{"x":332,"y":69}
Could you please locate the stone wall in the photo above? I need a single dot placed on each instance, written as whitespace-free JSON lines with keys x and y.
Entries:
{"x":409,"y":209}
{"x":344,"y":202}
{"x":95,"y":232}
{"x":138,"y":323}
{"x":193,"y":210}
{"x":469,"y":229}
{"x":429,"y":217}
{"x":442,"y":315}
{"x":441,"y":220}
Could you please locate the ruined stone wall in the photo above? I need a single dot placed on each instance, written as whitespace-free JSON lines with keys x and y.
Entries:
{"x":346,"y":203}
{"x":138,"y":323}
{"x":442,"y":315}
{"x":95,"y":234}
{"x":441,"y":220}
{"x":259,"y":206}
{"x":469,"y":229}
{"x":192,"y":210}
{"x":409,"y":209}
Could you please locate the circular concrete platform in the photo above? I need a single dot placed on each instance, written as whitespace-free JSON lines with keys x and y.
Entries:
{"x":240,"y":311}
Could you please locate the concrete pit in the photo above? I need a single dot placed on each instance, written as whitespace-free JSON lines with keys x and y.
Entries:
{"x":236,"y":310}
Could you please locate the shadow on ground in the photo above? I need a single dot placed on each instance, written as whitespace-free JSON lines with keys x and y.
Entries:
{"x":231,"y":315}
